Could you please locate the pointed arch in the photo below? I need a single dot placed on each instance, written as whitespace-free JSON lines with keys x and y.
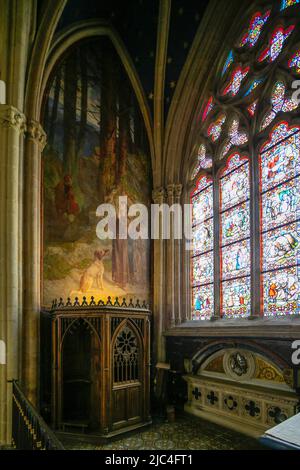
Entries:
{"x":257,"y":231}
{"x":92,"y":29}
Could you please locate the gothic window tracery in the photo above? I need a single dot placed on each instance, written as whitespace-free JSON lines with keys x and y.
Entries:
{"x":246,"y":201}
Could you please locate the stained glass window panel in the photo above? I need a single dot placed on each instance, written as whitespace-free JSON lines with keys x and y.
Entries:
{"x":281,"y":247}
{"x":236,"y":137}
{"x":204,"y":161}
{"x":209,"y":106}
{"x":196,"y":170}
{"x":294,"y":62}
{"x":252,"y":108}
{"x":281,"y":132}
{"x":203,"y":237}
{"x":255,"y":27}
{"x":276,"y":43}
{"x":281,"y":205}
{"x":281,"y":291}
{"x":235,"y":82}
{"x":236,"y":224}
{"x":235,"y":187}
{"x":228,"y":62}
{"x":253,"y":85}
{"x":215,"y":129}
{"x":203,"y":268}
{"x":236,"y":298}
{"x":202,"y":205}
{"x":203,"y":302}
{"x":280,"y":162}
{"x":288,"y":3}
{"x":236,"y":260}
{"x":279,"y":103}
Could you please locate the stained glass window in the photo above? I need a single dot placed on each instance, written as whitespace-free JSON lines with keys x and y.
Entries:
{"x":236,"y":137}
{"x":256,"y":24}
{"x":280,"y":201}
{"x":279,"y":103}
{"x":235,"y":81}
{"x":228,"y":62}
{"x":294,"y":62}
{"x":243,"y":230}
{"x":253,"y":85}
{"x":235,"y":237}
{"x":209,"y":106}
{"x":215,"y":129}
{"x":203,"y":161}
{"x":288,"y":3}
{"x":202,"y":255}
{"x":276,"y":43}
{"x":252,"y":108}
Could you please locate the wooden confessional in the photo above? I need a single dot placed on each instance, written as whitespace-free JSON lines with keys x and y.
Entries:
{"x":100,"y":367}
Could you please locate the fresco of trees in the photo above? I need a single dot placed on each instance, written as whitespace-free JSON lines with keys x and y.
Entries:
{"x":97,"y":151}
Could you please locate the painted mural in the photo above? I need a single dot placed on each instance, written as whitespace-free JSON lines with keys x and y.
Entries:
{"x":97,"y":150}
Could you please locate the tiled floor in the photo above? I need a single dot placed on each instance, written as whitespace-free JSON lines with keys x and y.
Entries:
{"x":184,"y":434}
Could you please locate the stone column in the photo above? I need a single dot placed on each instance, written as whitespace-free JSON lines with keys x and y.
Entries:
{"x":178,"y":261}
{"x":217,"y":267}
{"x":159,"y":290}
{"x":186,"y":260}
{"x":34,"y":145}
{"x":12,"y":124}
{"x":170,"y":274}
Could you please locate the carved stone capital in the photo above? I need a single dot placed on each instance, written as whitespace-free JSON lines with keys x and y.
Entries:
{"x":158,"y":195}
{"x":177,"y":191}
{"x":170,"y":193}
{"x":35,"y":132}
{"x":11,"y":117}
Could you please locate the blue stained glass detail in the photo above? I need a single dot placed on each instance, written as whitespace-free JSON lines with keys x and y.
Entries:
{"x":228,"y":62}
{"x":236,"y":260}
{"x":288,"y":3}
{"x":254,"y":85}
{"x":203,"y":302}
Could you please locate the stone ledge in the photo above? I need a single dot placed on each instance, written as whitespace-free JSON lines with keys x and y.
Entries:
{"x":288,"y":327}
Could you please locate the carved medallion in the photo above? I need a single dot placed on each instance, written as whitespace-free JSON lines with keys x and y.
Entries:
{"x":239,"y":365}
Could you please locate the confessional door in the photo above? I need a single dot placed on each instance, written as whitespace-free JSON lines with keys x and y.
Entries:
{"x":127,"y":381}
{"x":81,"y":377}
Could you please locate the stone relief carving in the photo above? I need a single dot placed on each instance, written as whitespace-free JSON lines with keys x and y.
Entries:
{"x":239,"y":365}
{"x":12,"y":117}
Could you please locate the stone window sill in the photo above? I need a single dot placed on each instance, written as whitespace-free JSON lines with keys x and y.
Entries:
{"x":288,"y":327}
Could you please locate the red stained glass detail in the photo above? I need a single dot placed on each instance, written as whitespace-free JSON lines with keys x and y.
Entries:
{"x":276,"y":43}
{"x":235,"y":82}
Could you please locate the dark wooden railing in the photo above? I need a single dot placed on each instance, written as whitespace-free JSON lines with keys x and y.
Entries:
{"x":29,"y":430}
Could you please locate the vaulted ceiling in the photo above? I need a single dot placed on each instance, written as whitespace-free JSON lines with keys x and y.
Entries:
{"x":137,"y":22}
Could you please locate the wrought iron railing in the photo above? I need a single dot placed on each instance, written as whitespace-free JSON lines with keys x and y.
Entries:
{"x":29,"y":430}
